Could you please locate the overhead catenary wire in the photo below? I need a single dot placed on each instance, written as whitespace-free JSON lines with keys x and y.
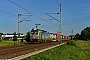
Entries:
{"x":57,"y":2}
{"x":38,"y":11}
{"x":18,"y":5}
{"x":64,"y":16}
{"x":26,"y":16}
{"x":32,"y":7}
{"x":7,"y":12}
{"x":25,"y":9}
{"x":52,"y":17}
{"x":67,"y":22}
{"x":35,"y":9}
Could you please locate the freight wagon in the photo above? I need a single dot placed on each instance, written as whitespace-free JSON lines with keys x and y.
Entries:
{"x":53,"y":37}
{"x":65,"y":37}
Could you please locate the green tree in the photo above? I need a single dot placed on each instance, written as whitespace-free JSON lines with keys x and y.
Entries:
{"x":85,"y":34}
{"x":77,"y":36}
{"x":14,"y":37}
{"x":1,"y":36}
{"x":28,"y":37}
{"x":1,"y":33}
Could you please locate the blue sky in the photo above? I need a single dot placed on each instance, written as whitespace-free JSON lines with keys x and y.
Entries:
{"x":75,"y":15}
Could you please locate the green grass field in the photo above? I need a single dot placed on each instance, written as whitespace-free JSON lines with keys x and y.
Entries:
{"x":10,"y":43}
{"x":73,"y":50}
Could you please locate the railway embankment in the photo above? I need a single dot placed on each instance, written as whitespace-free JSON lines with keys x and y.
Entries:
{"x":17,"y":51}
{"x":73,"y":50}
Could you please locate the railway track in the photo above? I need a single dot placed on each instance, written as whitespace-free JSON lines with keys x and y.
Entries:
{"x":14,"y":51}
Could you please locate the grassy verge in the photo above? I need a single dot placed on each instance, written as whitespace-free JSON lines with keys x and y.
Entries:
{"x":10,"y":43}
{"x":73,"y":50}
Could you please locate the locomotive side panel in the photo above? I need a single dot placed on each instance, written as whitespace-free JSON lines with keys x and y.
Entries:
{"x":40,"y":36}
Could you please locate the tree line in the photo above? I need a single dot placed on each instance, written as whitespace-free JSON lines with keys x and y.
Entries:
{"x":84,"y":35}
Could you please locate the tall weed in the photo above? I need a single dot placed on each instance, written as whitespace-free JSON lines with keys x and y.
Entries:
{"x":71,"y":42}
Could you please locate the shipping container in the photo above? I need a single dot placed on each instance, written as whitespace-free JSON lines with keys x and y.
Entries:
{"x":58,"y":37}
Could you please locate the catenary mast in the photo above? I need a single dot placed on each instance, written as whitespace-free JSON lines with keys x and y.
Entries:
{"x":60,"y":24}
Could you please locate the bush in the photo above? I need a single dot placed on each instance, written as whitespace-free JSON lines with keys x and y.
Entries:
{"x":71,"y":42}
{"x":14,"y":37}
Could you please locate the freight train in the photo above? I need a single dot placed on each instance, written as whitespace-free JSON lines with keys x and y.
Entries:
{"x":38,"y":36}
